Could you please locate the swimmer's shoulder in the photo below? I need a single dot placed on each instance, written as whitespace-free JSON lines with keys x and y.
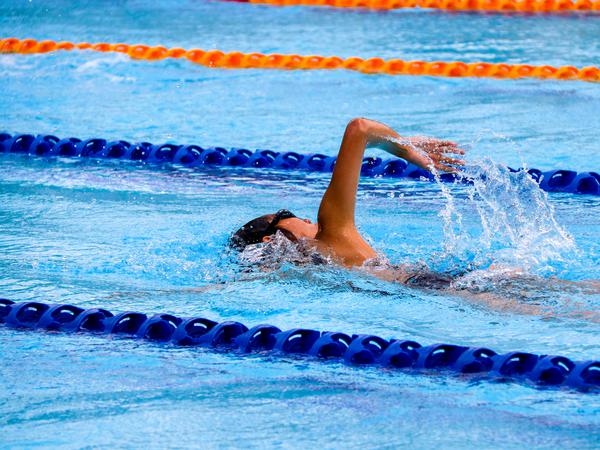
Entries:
{"x":346,"y":250}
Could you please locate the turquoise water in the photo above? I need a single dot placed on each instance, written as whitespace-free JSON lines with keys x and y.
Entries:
{"x":128,"y":237}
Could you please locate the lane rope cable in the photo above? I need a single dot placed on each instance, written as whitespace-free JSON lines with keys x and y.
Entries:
{"x":357,"y":350}
{"x":238,"y":60}
{"x":506,"y":6}
{"x":194,"y":156}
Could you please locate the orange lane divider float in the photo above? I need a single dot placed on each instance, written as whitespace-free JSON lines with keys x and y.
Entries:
{"x":524,"y":6}
{"x":237,"y":60}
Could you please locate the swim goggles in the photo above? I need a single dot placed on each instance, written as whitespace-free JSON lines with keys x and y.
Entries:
{"x":280,"y":215}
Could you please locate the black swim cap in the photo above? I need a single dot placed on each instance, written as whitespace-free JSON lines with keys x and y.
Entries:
{"x":254,"y":231}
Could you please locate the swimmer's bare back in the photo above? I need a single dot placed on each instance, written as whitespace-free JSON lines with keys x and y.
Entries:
{"x":337,"y":236}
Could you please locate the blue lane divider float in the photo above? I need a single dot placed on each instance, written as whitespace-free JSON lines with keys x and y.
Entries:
{"x":194,"y":156}
{"x":356,"y":350}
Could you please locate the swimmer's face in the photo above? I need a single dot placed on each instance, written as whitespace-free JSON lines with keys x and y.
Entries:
{"x":296,"y":228}
{"x":263,"y":228}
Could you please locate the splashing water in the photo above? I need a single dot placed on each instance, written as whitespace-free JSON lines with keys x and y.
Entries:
{"x":511,"y":224}
{"x":500,"y":232}
{"x":279,"y":250}
{"x":516,"y":225}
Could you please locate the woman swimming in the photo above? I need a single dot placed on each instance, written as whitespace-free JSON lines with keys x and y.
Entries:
{"x":335,"y":235}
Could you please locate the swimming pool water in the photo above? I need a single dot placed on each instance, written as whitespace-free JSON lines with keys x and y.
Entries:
{"x":127,"y":237}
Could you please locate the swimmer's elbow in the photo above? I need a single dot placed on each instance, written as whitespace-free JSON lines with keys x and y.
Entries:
{"x":359,"y":126}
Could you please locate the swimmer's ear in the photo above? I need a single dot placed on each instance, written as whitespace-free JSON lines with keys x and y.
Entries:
{"x":266,"y":239}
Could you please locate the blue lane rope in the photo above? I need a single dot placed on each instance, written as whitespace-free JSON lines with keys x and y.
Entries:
{"x":356,"y":350}
{"x":194,"y":156}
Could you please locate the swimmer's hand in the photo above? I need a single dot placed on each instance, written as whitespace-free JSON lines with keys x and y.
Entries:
{"x":429,"y":153}
{"x":426,"y":152}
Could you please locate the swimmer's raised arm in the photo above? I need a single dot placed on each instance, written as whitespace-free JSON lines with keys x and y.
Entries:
{"x":336,"y":212}
{"x":335,"y":235}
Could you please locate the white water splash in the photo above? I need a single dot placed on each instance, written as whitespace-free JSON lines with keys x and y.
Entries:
{"x":504,"y":219}
{"x":279,"y":250}
{"x":515,"y":224}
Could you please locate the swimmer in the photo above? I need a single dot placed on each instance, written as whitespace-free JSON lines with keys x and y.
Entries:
{"x":335,"y":235}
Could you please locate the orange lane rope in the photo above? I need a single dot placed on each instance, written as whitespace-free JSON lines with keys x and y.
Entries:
{"x":526,"y":6}
{"x":237,"y":60}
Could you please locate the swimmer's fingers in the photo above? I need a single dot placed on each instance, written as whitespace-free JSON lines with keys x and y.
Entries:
{"x":452,"y":161}
{"x":446,"y":168}
{"x":451,"y":147}
{"x":455,"y":150}
{"x":443,"y":147}
{"x":447,"y":143}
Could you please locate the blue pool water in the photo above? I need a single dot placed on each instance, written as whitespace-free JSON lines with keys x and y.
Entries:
{"x":128,"y":237}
